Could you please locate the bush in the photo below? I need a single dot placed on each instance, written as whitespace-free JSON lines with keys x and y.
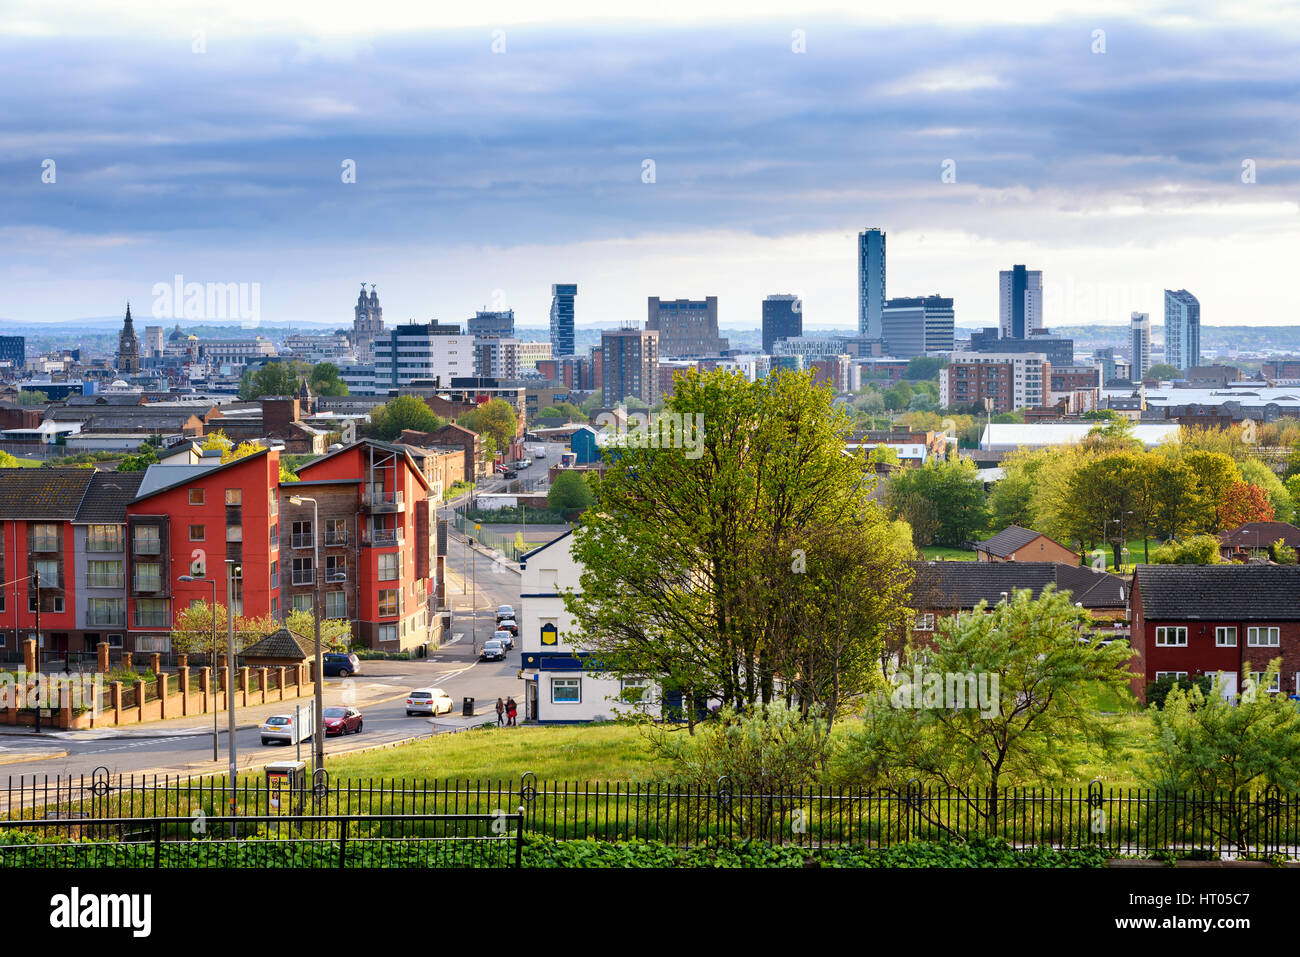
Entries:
{"x":1197,"y":550}
{"x":1158,"y":690}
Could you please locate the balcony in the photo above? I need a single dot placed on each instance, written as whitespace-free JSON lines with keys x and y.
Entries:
{"x":150,"y":618}
{"x":376,"y":499}
{"x":336,"y":574}
{"x":45,"y":543}
{"x":383,"y":537}
{"x":336,"y":538}
{"x":303,"y":540}
{"x":146,"y":547}
{"x":146,"y":584}
{"x":106,"y":617}
{"x":307,"y":577}
{"x":106,"y":580}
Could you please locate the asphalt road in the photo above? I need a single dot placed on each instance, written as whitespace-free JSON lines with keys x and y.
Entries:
{"x":476,"y":585}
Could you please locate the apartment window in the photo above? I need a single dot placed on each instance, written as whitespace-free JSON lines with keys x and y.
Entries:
{"x":234,"y":496}
{"x":150,"y":613}
{"x":1258,"y":677}
{"x":387,"y":602}
{"x":275,"y":574}
{"x":275,"y":608}
{"x":50,"y":603}
{"x":1177,"y":675}
{"x":45,"y":538}
{"x":1171,"y":637}
{"x":387,"y":632}
{"x":336,"y":531}
{"x":1263,"y":637}
{"x":1225,"y":636}
{"x":145,"y":540}
{"x":105,"y":611}
{"x":104,"y":538}
{"x":924,"y":622}
{"x":102,"y":574}
{"x":197,"y":533}
{"x":48,"y":572}
{"x":566,"y":690}
{"x":302,"y":537}
{"x":196,"y":496}
{"x":275,"y":536}
{"x":115,"y":641}
{"x":388,"y":567}
{"x":304,"y":572}
{"x":273,"y":503}
{"x":236,"y":574}
{"x":302,"y":602}
{"x":336,"y":604}
{"x":336,"y":568}
{"x":147,"y":576}
{"x":234,"y":533}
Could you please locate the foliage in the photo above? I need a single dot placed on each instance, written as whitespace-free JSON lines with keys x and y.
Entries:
{"x":496,"y":421}
{"x":1047,"y":667}
{"x":138,"y":462}
{"x":1257,"y":473}
{"x":768,"y":748}
{"x":884,"y":454}
{"x":404,"y":412}
{"x":924,"y":367}
{"x":943,"y":501}
{"x":8,"y":461}
{"x":1206,"y":743}
{"x":1281,"y":553}
{"x":1242,"y":503}
{"x":1158,"y":690}
{"x":687,"y":559}
{"x":32,"y":397}
{"x":283,"y":377}
{"x":1163,"y":371}
{"x":1197,"y":550}
{"x":566,"y":411}
{"x":335,"y":633}
{"x":570,"y":490}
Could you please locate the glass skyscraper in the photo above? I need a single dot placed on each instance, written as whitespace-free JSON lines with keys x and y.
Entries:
{"x":1182,"y":330}
{"x":562,"y":296}
{"x":871,"y":282}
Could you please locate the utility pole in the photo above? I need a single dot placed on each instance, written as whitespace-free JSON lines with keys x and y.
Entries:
{"x":36,"y":584}
{"x":231,"y":567}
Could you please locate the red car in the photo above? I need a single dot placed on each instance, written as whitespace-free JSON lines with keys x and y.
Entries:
{"x":340,"y":720}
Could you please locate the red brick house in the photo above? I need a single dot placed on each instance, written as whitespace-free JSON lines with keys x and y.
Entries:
{"x":1016,"y":544}
{"x":1253,"y":539}
{"x":1194,"y":620}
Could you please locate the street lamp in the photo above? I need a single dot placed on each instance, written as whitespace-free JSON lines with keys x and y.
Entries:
{"x":317,"y":733}
{"x":232,"y":567}
{"x":213,"y":583}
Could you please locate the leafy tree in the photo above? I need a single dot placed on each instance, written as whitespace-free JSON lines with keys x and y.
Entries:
{"x":1197,"y":550}
{"x":679,"y":557}
{"x":1158,"y":690}
{"x":1242,"y":503}
{"x":32,"y":397}
{"x":1104,"y":500}
{"x":566,"y":411}
{"x":324,"y":380}
{"x":404,"y":412}
{"x":883,"y":453}
{"x":570,"y":491}
{"x":1041,"y":667}
{"x":138,"y":462}
{"x":1175,"y":500}
{"x":287,"y":474}
{"x":1257,"y":473}
{"x":950,"y":491}
{"x":924,"y":367}
{"x":8,"y":461}
{"x":273,"y":378}
{"x":1281,"y":553}
{"x":1215,"y":474}
{"x":1205,"y":743}
{"x":1112,"y":435}
{"x":335,"y":633}
{"x":1163,"y":371}
{"x":496,"y":421}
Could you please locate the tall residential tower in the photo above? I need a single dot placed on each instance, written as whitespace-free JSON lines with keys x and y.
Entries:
{"x":871,"y":281}
{"x":562,"y":296}
{"x":1020,"y":302}
{"x":1140,"y":334}
{"x":1182,"y":329}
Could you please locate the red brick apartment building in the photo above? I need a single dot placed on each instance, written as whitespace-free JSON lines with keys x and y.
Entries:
{"x":1194,"y":620}
{"x":111,"y":548}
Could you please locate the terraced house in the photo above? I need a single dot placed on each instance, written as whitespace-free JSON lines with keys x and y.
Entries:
{"x":117,"y":555}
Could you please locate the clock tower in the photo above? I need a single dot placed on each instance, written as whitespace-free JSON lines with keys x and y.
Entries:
{"x":367,"y":324}
{"x":128,"y":350}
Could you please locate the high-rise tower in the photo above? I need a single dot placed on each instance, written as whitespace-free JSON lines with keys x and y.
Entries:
{"x":128,"y":349}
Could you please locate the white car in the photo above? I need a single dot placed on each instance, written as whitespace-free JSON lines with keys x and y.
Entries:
{"x":282,"y":728}
{"x":432,"y":701}
{"x":539,"y":452}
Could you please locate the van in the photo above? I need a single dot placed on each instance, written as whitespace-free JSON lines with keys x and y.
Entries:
{"x":539,"y":452}
{"x":282,"y":728}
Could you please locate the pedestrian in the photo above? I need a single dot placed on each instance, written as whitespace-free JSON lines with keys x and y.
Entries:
{"x":501,"y":709}
{"x":512,"y":710}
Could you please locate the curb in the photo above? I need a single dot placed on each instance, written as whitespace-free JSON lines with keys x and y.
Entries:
{"x":32,"y":756}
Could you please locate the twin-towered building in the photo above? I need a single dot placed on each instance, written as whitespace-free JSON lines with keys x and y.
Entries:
{"x":105,"y":552}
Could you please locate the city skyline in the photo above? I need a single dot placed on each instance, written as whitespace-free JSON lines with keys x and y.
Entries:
{"x":1114,"y":174}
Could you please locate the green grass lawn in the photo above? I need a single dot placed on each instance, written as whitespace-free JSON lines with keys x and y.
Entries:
{"x":935,"y":552}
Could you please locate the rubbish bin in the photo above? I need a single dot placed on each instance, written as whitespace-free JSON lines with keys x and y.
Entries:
{"x":467,"y":707}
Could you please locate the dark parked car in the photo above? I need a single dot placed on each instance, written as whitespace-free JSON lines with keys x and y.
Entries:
{"x":341,"y":665}
{"x":339,"y":720}
{"x":493,"y":650}
{"x":510,"y":474}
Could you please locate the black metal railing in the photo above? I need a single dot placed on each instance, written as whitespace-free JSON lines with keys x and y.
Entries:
{"x":203,"y":840}
{"x":1130,"y":821}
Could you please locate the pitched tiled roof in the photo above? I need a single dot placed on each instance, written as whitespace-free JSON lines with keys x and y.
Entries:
{"x":1261,"y":535}
{"x":105,"y":501}
{"x":966,"y":584}
{"x":282,"y":644}
{"x":1230,"y":592}
{"x":53,"y":494}
{"x":1006,"y":542}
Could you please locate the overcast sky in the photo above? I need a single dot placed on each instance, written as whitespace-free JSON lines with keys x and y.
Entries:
{"x":482,"y":177}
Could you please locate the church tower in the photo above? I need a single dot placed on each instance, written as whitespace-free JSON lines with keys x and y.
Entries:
{"x":128,"y":350}
{"x":367,"y":324}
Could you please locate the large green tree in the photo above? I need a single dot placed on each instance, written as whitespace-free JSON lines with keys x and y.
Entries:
{"x":283,"y":377}
{"x":945,"y":496}
{"x":689,"y":555}
{"x":496,"y":421}
{"x":404,"y":412}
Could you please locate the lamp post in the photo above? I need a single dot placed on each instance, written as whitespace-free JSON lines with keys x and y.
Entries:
{"x":231,"y":567}
{"x":317,"y":732}
{"x":213,"y":583}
